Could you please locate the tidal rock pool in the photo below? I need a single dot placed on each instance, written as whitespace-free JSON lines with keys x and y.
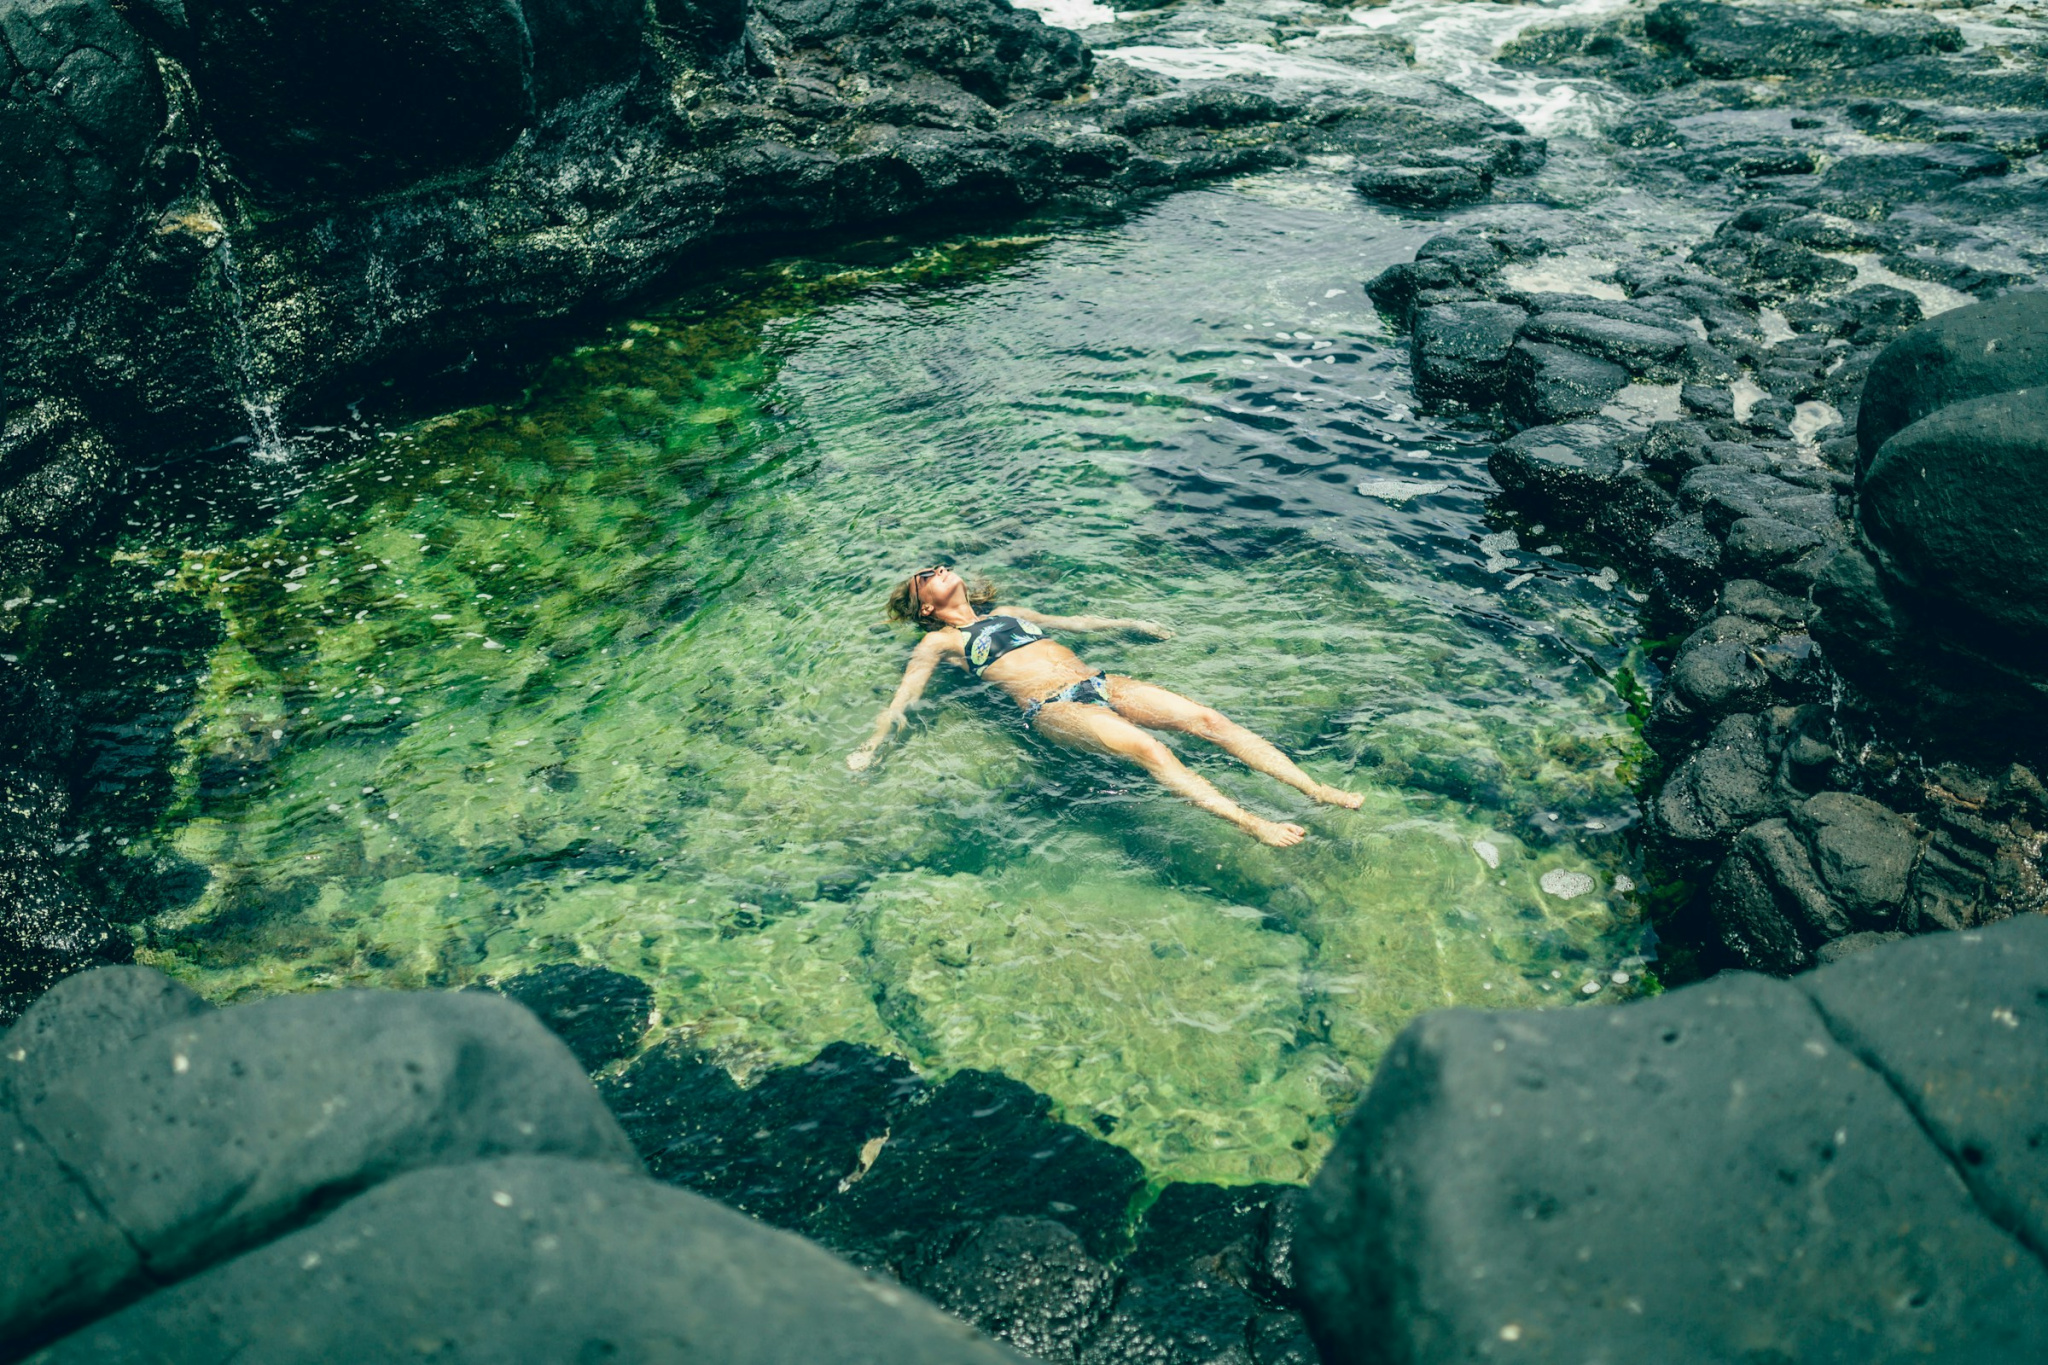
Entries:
{"x":569,"y":676}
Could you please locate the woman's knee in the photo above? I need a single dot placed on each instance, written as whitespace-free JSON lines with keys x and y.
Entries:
{"x":1139,"y":747}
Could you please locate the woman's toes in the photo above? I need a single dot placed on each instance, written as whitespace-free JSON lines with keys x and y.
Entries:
{"x":1280,"y":836}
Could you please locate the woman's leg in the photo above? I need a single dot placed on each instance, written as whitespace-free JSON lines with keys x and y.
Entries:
{"x":1158,"y":709}
{"x":1081,"y":726}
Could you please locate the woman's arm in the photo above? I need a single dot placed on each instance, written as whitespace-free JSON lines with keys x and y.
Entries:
{"x":923,"y":660}
{"x":1151,"y":628}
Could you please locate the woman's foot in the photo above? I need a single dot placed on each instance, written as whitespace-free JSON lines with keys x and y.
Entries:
{"x":1278,"y":835}
{"x":1337,"y":796}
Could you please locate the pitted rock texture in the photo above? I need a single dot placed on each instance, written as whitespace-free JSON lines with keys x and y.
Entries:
{"x":1741,"y":1169}
{"x":350,"y":1175}
{"x":196,"y":1133}
{"x":531,"y":1258}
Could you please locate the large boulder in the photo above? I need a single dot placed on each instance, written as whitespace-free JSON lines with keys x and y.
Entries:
{"x":531,"y":1258}
{"x":215,"y":1131}
{"x":1966,"y":353}
{"x":1721,"y":1173}
{"x":1966,"y":1047}
{"x":1954,"y":505}
{"x":334,"y":93}
{"x":80,"y":103}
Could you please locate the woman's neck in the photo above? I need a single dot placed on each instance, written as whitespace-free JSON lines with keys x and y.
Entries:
{"x":954,"y":614}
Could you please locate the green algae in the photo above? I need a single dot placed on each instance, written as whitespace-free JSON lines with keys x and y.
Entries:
{"x":571,"y":677}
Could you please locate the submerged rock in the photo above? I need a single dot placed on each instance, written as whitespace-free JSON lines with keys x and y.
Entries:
{"x":599,"y":1013}
{"x":1512,"y":1181}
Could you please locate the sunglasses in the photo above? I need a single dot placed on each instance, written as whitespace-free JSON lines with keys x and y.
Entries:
{"x":917,"y":582}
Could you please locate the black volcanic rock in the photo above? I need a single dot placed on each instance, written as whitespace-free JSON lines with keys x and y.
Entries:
{"x":315,"y":93}
{"x":1549,"y":384}
{"x":532,"y":1258}
{"x":1460,"y":350}
{"x":1512,"y":1184}
{"x":1972,"y":352}
{"x":332,"y":92}
{"x":778,"y":1150}
{"x":1967,"y":1050}
{"x":215,"y":1131}
{"x":994,"y":51}
{"x":80,"y":102}
{"x":1028,"y":1281}
{"x":979,"y":1147}
{"x":1781,"y":40}
{"x":1954,"y":505}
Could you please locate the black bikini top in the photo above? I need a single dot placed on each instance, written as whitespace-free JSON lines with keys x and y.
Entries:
{"x":991,"y":637}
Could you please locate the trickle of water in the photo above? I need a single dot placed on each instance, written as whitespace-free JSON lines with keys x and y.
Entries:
{"x":266,"y":426}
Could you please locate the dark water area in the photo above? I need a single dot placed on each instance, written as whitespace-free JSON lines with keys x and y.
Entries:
{"x":568,"y":676}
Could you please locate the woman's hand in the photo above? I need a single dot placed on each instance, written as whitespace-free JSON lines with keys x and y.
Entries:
{"x":1153,"y":629}
{"x":859,"y":759}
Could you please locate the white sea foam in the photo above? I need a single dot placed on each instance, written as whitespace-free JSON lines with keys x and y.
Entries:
{"x":1240,"y":59}
{"x":1934,"y":298}
{"x":1456,"y":43}
{"x":1396,"y":490}
{"x":1070,"y":13}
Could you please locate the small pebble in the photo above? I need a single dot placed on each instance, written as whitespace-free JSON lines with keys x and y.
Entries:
{"x":1591,"y":988}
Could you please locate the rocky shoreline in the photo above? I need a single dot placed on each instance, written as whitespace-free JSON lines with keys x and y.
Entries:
{"x":1843,"y":746}
{"x":1853,"y":689}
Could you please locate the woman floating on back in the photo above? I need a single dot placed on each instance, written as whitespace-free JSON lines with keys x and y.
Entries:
{"x":1073,"y":704}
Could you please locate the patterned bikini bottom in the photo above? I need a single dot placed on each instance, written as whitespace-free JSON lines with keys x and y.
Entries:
{"x":1092,"y":691}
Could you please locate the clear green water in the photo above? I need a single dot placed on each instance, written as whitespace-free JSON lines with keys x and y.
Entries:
{"x":571,"y":678}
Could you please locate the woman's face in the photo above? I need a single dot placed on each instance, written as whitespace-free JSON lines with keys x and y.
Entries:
{"x":937,"y":586}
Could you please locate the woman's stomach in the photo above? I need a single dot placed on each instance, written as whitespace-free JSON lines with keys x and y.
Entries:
{"x":1036,"y":670}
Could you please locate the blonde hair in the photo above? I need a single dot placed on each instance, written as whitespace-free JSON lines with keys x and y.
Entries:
{"x":903,"y":602}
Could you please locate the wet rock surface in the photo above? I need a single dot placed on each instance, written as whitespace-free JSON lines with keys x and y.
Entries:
{"x":1512,"y":1178}
{"x":347,"y":1176}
